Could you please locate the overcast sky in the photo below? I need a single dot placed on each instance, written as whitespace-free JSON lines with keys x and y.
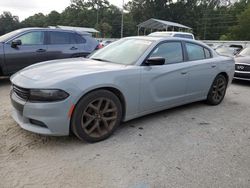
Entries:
{"x":26,"y":8}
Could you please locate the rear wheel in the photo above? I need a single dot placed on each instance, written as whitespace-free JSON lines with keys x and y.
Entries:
{"x":217,"y":91}
{"x":96,"y":116}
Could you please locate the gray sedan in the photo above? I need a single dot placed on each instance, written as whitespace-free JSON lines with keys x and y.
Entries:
{"x":129,"y":78}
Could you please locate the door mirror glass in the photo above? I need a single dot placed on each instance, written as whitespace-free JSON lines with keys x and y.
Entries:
{"x":155,"y":61}
{"x":16,"y":43}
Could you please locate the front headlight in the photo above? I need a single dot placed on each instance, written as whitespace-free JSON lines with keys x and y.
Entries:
{"x":47,"y":95}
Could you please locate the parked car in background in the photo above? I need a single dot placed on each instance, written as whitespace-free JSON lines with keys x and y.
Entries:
{"x":231,"y":50}
{"x":172,"y":34}
{"x":242,"y":65}
{"x":24,"y":47}
{"x":127,"y":79}
{"x":106,"y":42}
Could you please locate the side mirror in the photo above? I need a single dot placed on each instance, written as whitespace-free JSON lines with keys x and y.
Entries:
{"x":155,"y":61}
{"x":16,"y":43}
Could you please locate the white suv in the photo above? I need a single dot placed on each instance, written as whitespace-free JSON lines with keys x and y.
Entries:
{"x":172,"y":34}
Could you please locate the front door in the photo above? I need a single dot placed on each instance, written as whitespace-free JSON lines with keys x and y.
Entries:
{"x":32,"y":50}
{"x":164,"y":85}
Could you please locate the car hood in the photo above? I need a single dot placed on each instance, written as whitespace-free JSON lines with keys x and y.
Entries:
{"x":65,"y":68}
{"x":242,"y":59}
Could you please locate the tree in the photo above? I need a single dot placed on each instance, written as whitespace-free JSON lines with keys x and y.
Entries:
{"x":241,"y":30}
{"x":37,"y":20}
{"x":8,"y":23}
{"x":53,"y":18}
{"x":105,"y":30}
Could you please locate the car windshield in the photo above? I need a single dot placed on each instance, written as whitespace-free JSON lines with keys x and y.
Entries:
{"x":5,"y":37}
{"x":245,"y":52}
{"x":124,"y":51}
{"x":225,"y":50}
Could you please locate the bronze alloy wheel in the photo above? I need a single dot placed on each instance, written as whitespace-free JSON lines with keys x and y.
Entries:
{"x":99,"y":118}
{"x":218,"y":90}
{"x":96,"y":116}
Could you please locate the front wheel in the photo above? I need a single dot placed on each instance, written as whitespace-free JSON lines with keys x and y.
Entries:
{"x":96,"y":116}
{"x":217,"y":91}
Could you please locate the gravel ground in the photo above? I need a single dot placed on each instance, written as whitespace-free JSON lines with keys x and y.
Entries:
{"x":191,"y":146}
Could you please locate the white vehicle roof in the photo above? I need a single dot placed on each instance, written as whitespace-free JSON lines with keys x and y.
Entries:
{"x":170,"y":33}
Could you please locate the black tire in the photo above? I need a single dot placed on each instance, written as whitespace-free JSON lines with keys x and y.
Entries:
{"x":217,"y":91}
{"x":96,"y":116}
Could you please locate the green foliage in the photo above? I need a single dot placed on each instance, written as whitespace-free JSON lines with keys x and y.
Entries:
{"x":242,"y":30}
{"x":210,"y":19}
{"x":8,"y":23}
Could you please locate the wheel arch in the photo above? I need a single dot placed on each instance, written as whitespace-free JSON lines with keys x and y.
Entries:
{"x":112,"y":89}
{"x":225,"y":75}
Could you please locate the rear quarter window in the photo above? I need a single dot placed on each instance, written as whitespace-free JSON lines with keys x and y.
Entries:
{"x":207,"y":53}
{"x":80,"y":39}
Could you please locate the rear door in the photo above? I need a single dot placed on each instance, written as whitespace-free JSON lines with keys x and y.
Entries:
{"x":32,"y":50}
{"x":83,"y":45}
{"x":202,"y":70}
{"x":62,"y":45}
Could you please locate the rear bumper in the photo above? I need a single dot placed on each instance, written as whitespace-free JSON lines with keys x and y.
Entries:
{"x":42,"y":118}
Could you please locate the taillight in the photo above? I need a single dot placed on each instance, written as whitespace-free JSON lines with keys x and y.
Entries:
{"x":99,"y":46}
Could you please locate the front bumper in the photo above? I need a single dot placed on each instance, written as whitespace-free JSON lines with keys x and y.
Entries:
{"x":42,"y":118}
{"x":242,"y":75}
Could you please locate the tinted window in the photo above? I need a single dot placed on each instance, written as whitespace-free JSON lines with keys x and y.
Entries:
{"x":32,"y":38}
{"x":62,"y":38}
{"x":171,"y":51}
{"x":195,"y":52}
{"x":80,"y":39}
{"x":207,"y":53}
{"x":184,"y":36}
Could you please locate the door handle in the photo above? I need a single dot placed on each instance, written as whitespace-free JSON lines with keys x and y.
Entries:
{"x":41,"y":50}
{"x":183,"y":73}
{"x":73,"y":48}
{"x":213,"y":66}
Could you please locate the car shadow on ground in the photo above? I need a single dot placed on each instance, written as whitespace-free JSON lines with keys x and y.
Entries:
{"x":4,"y":81}
{"x":72,"y":140}
{"x":162,"y":114}
{"x":241,"y":82}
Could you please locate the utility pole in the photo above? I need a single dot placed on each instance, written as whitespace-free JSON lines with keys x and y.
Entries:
{"x":97,"y":15}
{"x":122,"y":21}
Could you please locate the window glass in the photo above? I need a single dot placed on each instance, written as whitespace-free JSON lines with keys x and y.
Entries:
{"x":171,"y":51}
{"x":207,"y":53}
{"x":245,"y":52}
{"x":32,"y":38}
{"x":124,"y":51}
{"x":62,"y":38}
{"x":195,"y":52}
{"x":80,"y":39}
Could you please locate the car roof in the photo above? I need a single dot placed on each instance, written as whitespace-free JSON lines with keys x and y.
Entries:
{"x":172,"y":32}
{"x":45,"y":29}
{"x":163,"y":38}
